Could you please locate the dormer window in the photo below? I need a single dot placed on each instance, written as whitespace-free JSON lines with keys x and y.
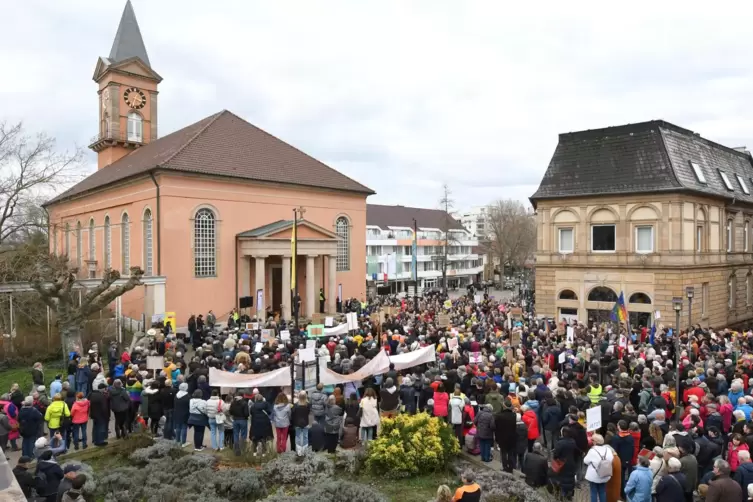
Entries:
{"x":726,"y":181}
{"x":698,"y":172}
{"x":743,"y":185}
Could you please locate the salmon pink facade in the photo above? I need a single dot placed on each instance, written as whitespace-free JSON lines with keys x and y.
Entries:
{"x":210,"y":207}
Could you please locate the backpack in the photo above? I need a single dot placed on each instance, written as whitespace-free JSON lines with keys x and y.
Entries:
{"x":603,"y":467}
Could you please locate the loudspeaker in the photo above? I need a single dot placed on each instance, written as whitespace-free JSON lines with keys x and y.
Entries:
{"x":245,"y":302}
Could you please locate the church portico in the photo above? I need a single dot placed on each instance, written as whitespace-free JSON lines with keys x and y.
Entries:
{"x":265,"y":254}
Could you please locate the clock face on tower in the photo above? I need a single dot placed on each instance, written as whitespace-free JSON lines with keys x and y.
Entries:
{"x":135,"y":98}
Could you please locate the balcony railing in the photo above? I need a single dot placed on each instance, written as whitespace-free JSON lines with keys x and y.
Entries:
{"x":120,"y":137}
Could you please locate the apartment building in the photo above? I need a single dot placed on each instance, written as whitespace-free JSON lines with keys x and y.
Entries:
{"x":475,"y":220}
{"x":390,"y":257}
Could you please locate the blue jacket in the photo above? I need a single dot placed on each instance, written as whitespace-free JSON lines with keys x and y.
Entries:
{"x":734,"y":396}
{"x":745,"y":408}
{"x":29,"y":422}
{"x":638,"y":487}
{"x":744,"y":476}
{"x":82,"y":374}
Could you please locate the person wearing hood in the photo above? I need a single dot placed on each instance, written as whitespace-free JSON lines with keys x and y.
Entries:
{"x":388,"y":407}
{"x":53,"y":474}
{"x":333,"y":424}
{"x":281,"y":420}
{"x":181,"y":411}
{"x":80,"y":419}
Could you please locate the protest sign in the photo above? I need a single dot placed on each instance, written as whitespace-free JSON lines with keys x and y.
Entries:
{"x":593,"y":418}
{"x":516,"y":312}
{"x":570,"y":334}
{"x":258,"y":346}
{"x":317,"y":319}
{"x":352,"y":319}
{"x":475,"y":358}
{"x":562,"y":358}
{"x":447,"y":304}
{"x":315,"y":330}
{"x":329,"y":322}
{"x":444,"y":320}
{"x":155,"y":362}
{"x":477,"y":298}
{"x":310,"y":344}
{"x":307,"y":355}
{"x":267,"y":335}
{"x":374,"y":319}
{"x":452,"y":343}
{"x":285,"y":335}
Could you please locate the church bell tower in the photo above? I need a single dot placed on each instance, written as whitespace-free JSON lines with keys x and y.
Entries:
{"x":127,"y":94}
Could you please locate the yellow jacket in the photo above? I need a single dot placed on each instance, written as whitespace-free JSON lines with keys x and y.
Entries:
{"x":55,"y":413}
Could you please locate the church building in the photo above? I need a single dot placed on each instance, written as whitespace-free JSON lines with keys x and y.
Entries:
{"x":206,"y":211}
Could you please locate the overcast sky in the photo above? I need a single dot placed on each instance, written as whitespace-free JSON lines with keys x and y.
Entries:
{"x":400,"y":95}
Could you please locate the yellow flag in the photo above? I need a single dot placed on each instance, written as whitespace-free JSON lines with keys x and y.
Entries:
{"x":292,"y":262}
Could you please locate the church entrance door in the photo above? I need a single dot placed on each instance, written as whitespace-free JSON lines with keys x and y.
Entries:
{"x":277,"y":289}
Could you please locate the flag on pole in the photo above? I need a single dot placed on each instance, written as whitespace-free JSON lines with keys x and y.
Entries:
{"x":619,"y":311}
{"x":653,"y":333}
{"x":292,"y":261}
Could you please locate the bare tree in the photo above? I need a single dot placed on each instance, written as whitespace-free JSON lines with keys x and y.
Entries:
{"x":30,"y":169}
{"x":447,"y":204}
{"x":58,"y":287}
{"x":512,"y":233}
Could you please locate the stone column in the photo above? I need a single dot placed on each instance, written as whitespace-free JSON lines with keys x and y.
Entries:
{"x":260,"y":281}
{"x":286,"y":288}
{"x":332,"y":285}
{"x":310,"y":293}
{"x":245,"y":278}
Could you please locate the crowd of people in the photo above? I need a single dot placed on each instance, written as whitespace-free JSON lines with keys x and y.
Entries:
{"x":510,"y":385}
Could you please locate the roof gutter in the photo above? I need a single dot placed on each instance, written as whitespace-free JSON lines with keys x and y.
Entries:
{"x":159,"y":225}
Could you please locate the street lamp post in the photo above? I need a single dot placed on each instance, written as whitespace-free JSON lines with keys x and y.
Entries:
{"x":689,"y":293}
{"x":677,"y":305}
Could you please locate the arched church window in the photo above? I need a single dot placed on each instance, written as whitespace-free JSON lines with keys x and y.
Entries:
{"x":342,"y":229}
{"x":108,"y":244}
{"x":602,"y":294}
{"x":205,"y":258}
{"x":125,"y":241}
{"x":135,"y":127}
{"x":148,"y":242}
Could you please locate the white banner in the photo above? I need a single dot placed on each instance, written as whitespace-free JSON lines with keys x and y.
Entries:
{"x":380,"y":364}
{"x":411,"y":359}
{"x":341,"y":329}
{"x":276,"y":378}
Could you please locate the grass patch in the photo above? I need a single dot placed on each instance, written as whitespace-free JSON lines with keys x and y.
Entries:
{"x":22,"y":376}
{"x":415,"y":489}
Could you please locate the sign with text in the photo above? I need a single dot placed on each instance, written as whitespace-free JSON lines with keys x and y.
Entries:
{"x":475,"y":358}
{"x":452,"y":343}
{"x":285,"y":335}
{"x":310,"y":344}
{"x":352,"y":319}
{"x":267,"y":335}
{"x":516,"y":312}
{"x":329,"y":322}
{"x":593,"y":418}
{"x":155,"y":362}
{"x":477,"y":298}
{"x":444,"y":320}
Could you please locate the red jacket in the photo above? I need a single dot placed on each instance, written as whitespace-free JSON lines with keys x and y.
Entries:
{"x":636,"y":446}
{"x":80,"y":411}
{"x":441,"y":400}
{"x":529,"y":418}
{"x":693,"y":391}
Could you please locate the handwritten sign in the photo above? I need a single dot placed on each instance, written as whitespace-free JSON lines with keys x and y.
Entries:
{"x":285,"y":335}
{"x":444,"y":320}
{"x":329,"y":321}
{"x":258,"y":346}
{"x":155,"y":362}
{"x":310,"y":344}
{"x":475,"y":358}
{"x":452,"y":343}
{"x":593,"y":418}
{"x":516,"y":312}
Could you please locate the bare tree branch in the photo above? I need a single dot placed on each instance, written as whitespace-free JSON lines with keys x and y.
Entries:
{"x":512,"y":233}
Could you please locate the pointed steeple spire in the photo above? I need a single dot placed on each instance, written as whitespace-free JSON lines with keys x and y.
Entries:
{"x":128,"y":42}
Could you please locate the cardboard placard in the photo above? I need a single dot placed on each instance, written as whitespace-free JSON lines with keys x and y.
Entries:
{"x":375,"y":319}
{"x":317,"y":319}
{"x":391,"y":310}
{"x":250,"y":326}
{"x":444,"y":320}
{"x":155,"y":362}
{"x":593,"y":418}
{"x":285,"y":335}
{"x":516,"y":312}
{"x":315,"y":330}
{"x":267,"y":335}
{"x":468,"y":310}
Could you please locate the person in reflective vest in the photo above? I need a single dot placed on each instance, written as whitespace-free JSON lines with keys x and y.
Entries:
{"x":594,"y":391}
{"x":321,"y":300}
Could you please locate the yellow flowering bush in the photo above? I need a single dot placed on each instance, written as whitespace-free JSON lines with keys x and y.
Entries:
{"x":412,"y":444}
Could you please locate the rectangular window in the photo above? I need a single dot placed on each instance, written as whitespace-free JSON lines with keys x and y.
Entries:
{"x":699,"y":238}
{"x":566,"y":240}
{"x":743,"y":185}
{"x":603,"y":238}
{"x":704,"y":298}
{"x":726,"y":181}
{"x":698,"y":172}
{"x":644,"y":239}
{"x":730,"y":240}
